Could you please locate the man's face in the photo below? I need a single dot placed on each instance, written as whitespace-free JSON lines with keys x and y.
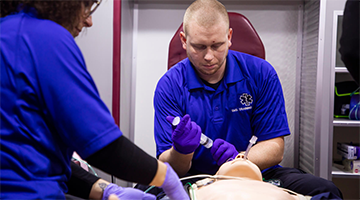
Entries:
{"x":207,"y":48}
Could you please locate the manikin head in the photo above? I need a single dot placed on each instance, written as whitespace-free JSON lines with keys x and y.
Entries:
{"x":207,"y":38}
{"x":240,"y":167}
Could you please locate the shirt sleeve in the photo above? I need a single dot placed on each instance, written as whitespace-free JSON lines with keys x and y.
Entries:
{"x":269,"y":118}
{"x":165,"y":104}
{"x":71,"y":101}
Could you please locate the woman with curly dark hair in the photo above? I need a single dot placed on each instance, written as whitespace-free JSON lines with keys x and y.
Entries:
{"x":50,"y":107}
{"x":66,"y":13}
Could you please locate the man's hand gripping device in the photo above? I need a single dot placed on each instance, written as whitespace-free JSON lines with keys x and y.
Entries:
{"x":204,"y":140}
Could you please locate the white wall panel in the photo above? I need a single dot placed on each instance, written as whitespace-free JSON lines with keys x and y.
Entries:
{"x":96,"y":44}
{"x":307,"y":86}
{"x":155,"y":29}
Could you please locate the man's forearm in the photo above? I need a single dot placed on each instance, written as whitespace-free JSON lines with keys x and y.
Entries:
{"x":267,"y":153}
{"x":181,"y":163}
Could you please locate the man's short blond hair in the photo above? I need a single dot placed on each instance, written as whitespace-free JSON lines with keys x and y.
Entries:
{"x":205,"y":13}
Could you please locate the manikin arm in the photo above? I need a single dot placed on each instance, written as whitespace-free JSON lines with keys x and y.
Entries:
{"x":267,"y":153}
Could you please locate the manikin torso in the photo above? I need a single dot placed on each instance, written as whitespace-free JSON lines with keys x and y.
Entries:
{"x":246,"y":184}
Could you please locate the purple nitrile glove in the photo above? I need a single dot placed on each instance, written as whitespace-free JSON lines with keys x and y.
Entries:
{"x":222,"y":151}
{"x":186,"y":135}
{"x":126,"y":193}
{"x":172,"y":185}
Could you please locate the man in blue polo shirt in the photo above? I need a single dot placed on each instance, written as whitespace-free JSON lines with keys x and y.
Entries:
{"x":230,"y":96}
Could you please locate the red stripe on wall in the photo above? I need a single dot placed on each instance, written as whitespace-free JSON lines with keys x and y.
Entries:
{"x":116,"y":62}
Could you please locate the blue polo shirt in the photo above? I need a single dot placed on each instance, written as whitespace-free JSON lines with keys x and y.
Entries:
{"x":50,"y":107}
{"x":249,"y":101}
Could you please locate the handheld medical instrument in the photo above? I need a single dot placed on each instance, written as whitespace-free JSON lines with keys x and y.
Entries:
{"x":204,"y":140}
{"x":252,"y":142}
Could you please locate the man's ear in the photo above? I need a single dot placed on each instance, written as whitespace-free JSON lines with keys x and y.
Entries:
{"x":183,"y":39}
{"x":230,"y":36}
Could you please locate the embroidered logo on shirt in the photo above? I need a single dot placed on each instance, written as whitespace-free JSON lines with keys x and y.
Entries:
{"x":246,"y":99}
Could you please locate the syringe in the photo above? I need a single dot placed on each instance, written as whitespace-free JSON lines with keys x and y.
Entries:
{"x":204,"y":140}
{"x":252,"y":142}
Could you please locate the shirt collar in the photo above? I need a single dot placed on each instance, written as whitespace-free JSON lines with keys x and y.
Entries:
{"x":28,"y":10}
{"x":193,"y":79}
{"x":233,"y":73}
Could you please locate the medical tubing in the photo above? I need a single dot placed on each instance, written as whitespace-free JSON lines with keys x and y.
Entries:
{"x":147,"y":190}
{"x":204,"y":140}
{"x":251,"y":142}
{"x":192,"y":195}
{"x":203,"y":176}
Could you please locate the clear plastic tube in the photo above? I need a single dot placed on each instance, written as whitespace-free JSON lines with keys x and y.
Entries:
{"x":252,"y":142}
{"x":204,"y":140}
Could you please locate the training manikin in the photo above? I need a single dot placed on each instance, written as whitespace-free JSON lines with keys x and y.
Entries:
{"x":240,"y":179}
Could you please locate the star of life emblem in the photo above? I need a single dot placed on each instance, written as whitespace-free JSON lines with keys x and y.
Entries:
{"x":246,"y":99}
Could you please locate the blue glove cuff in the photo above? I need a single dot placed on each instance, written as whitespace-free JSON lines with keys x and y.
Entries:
{"x":172,"y":185}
